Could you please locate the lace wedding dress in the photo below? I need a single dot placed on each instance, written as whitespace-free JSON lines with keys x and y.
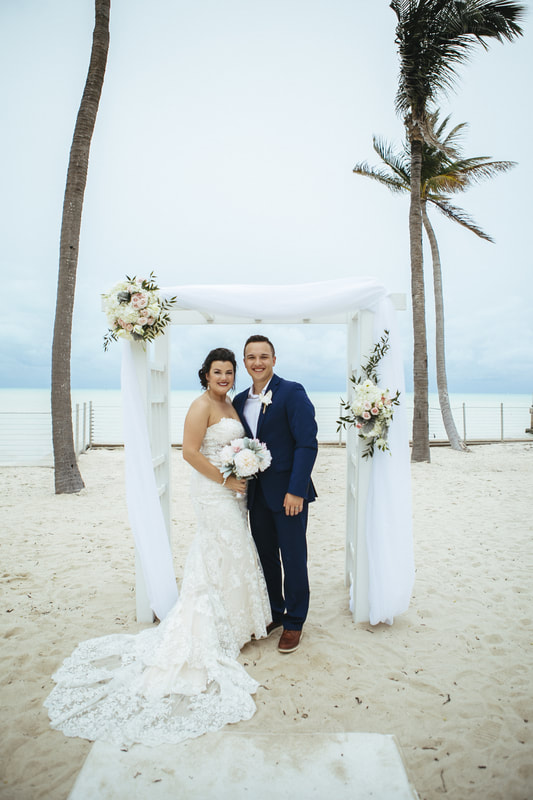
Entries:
{"x":181,"y":679}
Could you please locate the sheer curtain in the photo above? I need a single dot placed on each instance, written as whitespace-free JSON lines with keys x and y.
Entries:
{"x":388,"y":510}
{"x":389,"y":534}
{"x":142,"y":498}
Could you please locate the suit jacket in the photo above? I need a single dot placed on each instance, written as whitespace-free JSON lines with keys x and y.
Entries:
{"x":288,"y":428}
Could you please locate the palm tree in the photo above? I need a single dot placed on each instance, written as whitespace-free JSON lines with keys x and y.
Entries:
{"x":433,"y":38}
{"x":443,"y":172}
{"x":67,"y":474}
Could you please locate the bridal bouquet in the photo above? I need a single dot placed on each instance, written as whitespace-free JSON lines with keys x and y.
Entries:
{"x":371,"y":409}
{"x":244,"y":458}
{"x":135,"y":311}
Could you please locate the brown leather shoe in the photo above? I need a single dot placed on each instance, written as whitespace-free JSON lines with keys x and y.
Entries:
{"x":289,"y":641}
{"x":273,"y":626}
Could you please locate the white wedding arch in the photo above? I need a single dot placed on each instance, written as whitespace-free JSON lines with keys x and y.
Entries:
{"x":379,"y":551}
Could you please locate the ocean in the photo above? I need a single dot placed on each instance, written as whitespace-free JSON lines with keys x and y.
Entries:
{"x":25,"y":428}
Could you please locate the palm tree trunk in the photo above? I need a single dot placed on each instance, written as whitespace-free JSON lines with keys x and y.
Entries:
{"x":442,"y":381}
{"x":420,"y":447}
{"x":67,"y":474}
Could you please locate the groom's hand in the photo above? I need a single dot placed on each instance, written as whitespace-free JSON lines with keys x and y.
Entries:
{"x":293,"y":505}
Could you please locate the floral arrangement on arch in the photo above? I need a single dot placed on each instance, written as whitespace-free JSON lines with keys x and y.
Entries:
{"x":372,"y":408}
{"x":244,"y":458}
{"x":135,"y":311}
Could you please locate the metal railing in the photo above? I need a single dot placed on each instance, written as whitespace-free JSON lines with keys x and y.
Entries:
{"x":26,"y":437}
{"x":474,"y":423}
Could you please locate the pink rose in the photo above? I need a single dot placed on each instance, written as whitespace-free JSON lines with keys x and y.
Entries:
{"x":375,"y":411}
{"x":366,"y":415}
{"x":358,"y":424}
{"x":139,"y":300}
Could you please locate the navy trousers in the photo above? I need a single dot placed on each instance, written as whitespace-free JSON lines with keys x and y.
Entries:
{"x":282,"y":548}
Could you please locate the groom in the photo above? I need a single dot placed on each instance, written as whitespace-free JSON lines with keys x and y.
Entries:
{"x":280,"y":414}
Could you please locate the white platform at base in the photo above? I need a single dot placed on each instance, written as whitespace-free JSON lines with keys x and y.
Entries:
{"x":234,"y":766}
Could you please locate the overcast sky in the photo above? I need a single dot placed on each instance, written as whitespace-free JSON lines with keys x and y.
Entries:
{"x":223,"y":153}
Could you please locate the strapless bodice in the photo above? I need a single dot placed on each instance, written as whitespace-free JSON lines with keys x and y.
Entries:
{"x":219,"y":435}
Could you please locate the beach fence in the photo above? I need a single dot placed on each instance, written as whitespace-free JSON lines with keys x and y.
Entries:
{"x":482,"y":423}
{"x":502,"y":422}
{"x":26,"y":437}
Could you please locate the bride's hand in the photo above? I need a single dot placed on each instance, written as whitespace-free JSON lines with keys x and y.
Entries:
{"x":236,"y":484}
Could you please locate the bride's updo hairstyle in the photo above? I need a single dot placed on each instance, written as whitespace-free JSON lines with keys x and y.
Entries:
{"x":218,"y":354}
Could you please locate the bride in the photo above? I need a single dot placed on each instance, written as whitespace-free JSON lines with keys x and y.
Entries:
{"x":182,"y":678}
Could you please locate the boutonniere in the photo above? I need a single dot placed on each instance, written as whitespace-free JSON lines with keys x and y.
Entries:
{"x":265,"y":399}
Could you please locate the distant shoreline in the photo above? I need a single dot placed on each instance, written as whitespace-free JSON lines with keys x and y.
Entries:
{"x":39,"y":396}
{"x":25,"y":423}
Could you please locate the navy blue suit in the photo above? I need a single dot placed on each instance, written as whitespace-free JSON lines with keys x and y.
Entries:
{"x":288,"y":428}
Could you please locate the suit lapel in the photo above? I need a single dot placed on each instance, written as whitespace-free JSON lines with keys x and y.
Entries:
{"x":238,"y":404}
{"x":272,"y":387}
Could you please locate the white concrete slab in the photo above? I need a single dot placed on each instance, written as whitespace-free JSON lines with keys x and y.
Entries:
{"x":234,"y":766}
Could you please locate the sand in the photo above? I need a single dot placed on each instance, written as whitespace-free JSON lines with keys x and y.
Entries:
{"x":451,"y":679}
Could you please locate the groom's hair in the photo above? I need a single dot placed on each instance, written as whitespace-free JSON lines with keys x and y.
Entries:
{"x":258,"y":337}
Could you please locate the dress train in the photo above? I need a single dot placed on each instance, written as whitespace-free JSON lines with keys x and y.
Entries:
{"x":181,"y":679}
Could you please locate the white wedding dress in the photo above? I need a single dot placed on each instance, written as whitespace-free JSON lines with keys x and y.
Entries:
{"x":182,"y":678}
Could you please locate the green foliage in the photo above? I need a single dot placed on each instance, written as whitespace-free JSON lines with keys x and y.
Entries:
{"x":369,"y":369}
{"x":372,"y":426}
{"x":434,"y":37}
{"x":445,"y":171}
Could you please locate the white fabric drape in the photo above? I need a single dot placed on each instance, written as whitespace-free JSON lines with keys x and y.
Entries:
{"x":388,"y":511}
{"x":389,"y":537}
{"x":291,"y":303}
{"x":144,"y":509}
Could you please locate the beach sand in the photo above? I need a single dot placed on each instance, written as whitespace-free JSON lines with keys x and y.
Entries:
{"x":451,"y":679}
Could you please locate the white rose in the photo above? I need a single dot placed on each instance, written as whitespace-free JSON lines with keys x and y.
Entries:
{"x":226,"y":455}
{"x":246,"y":463}
{"x":265,"y":460}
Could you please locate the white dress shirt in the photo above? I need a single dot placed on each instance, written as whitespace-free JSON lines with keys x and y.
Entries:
{"x":252,"y":408}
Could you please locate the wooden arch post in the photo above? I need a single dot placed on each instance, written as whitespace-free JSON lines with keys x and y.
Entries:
{"x":360,"y":330}
{"x":361,"y":340}
{"x":153,"y":375}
